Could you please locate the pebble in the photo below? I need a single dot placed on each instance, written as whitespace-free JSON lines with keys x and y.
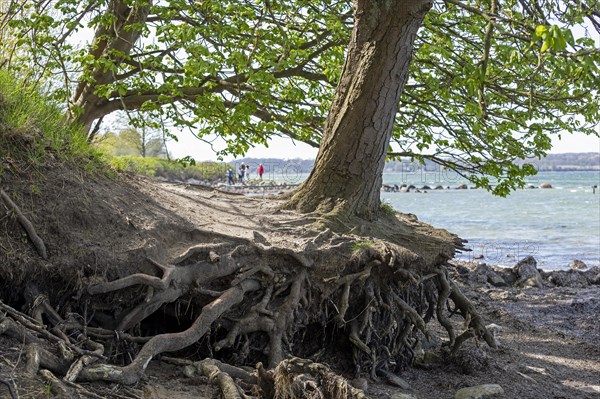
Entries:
{"x":479,"y":391}
{"x":401,"y":395}
{"x":591,"y":388}
{"x":577,"y":264}
{"x":360,"y":383}
{"x":393,"y":379}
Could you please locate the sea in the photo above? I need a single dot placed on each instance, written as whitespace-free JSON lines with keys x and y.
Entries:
{"x":555,"y":226}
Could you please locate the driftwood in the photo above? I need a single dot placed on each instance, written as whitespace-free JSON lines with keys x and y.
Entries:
{"x":27,"y":225}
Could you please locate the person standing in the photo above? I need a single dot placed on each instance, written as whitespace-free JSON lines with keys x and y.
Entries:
{"x":230,"y":176}
{"x":242,"y":172}
{"x":260,"y":170}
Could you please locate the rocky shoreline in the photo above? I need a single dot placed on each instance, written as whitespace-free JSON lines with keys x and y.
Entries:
{"x":411,"y":188}
{"x":526,"y":274}
{"x":271,"y":187}
{"x":547,"y":331}
{"x":546,"y":326}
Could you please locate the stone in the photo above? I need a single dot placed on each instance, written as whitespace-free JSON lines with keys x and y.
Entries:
{"x":545,"y":185}
{"x":393,"y":379}
{"x":537,"y":370}
{"x":431,"y":358}
{"x":402,"y":395}
{"x":260,"y":239}
{"x":593,"y":275}
{"x":470,"y":359}
{"x":528,"y":274}
{"x":568,"y":278}
{"x":495,"y":330}
{"x":189,"y":371}
{"x":360,"y":383}
{"x":462,"y":187}
{"x":479,"y":391}
{"x":428,"y":360}
{"x":480,"y":274}
{"x":213,"y":257}
{"x":590,"y":389}
{"x":528,"y":378}
{"x":579,"y":265}
{"x":507,"y":275}
{"x":496,"y":280}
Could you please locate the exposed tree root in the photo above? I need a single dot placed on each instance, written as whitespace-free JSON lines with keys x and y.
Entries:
{"x":40,"y":358}
{"x":364,"y":303}
{"x":10,"y":387}
{"x":57,"y":387}
{"x":229,"y":388}
{"x":476,"y":327}
{"x":171,"y":342}
{"x":236,"y":373}
{"x":297,"y":378}
{"x":27,"y":225}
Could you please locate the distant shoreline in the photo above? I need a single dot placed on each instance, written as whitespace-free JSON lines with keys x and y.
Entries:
{"x":564,"y":162}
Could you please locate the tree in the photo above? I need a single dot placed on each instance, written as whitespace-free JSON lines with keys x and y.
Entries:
{"x":349,"y":167}
{"x":350,"y":162}
{"x":381,"y":290}
{"x":131,"y":141}
{"x":490,"y":82}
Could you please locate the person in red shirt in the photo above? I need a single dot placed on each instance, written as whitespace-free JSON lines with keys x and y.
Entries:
{"x":260,"y":170}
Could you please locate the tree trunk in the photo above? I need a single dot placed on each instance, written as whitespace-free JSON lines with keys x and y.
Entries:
{"x":111,"y":42}
{"x":347,"y":176}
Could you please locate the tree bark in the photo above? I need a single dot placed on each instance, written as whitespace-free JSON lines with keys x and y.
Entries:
{"x":111,"y":42}
{"x":347,"y":176}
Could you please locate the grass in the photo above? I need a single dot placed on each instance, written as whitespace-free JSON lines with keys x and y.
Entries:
{"x":171,"y":170}
{"x":361,"y":245}
{"x":387,"y":208}
{"x":34,"y":129}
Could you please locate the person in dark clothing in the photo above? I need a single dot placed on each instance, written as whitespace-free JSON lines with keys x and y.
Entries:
{"x":242,"y":173}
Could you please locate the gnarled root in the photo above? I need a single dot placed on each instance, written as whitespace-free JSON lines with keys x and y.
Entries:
{"x":297,"y":378}
{"x":27,"y":225}
{"x":171,"y":342}
{"x":476,"y":326}
{"x":229,"y":388}
{"x":367,"y":305}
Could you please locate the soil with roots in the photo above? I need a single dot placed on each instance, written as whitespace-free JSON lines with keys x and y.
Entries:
{"x":151,"y":289}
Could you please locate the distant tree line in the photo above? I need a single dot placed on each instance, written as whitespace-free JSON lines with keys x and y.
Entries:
{"x":557,"y":162}
{"x":142,"y":142}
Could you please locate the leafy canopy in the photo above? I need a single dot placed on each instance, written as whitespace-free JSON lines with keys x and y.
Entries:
{"x":491,"y":81}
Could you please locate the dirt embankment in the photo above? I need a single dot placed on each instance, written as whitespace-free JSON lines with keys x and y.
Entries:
{"x":97,"y":229}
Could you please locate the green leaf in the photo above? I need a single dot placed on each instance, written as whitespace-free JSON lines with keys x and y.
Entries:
{"x":540,"y":30}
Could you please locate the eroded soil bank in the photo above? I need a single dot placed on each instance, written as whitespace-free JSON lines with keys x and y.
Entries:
{"x":97,"y":230}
